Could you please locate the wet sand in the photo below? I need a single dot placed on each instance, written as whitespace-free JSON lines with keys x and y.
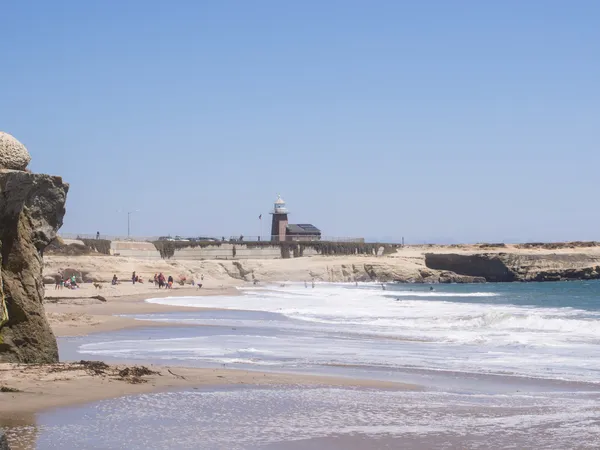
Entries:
{"x":304,"y":417}
{"x":77,"y":313}
{"x":54,"y":385}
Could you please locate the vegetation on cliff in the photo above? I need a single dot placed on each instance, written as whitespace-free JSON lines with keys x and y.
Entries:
{"x":288,"y":249}
{"x":167,"y":248}
{"x":98,"y":245}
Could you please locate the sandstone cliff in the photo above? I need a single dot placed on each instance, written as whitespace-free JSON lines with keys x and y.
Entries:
{"x":408,"y":269}
{"x":506,"y":267}
{"x":32,"y":207}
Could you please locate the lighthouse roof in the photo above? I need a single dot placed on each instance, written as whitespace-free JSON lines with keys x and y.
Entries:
{"x":279,"y":201}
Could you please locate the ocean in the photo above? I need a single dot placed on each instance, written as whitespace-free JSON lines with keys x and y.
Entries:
{"x":548,"y":331}
{"x":499,"y":365}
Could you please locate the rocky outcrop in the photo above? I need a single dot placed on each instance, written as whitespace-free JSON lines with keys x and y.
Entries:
{"x":13,"y":154}
{"x":3,"y":441}
{"x":488,"y":266}
{"x":32,"y":207}
{"x":507,"y":267}
{"x":447,"y":277}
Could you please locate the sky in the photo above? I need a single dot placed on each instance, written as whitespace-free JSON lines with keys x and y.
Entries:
{"x":436,"y":121}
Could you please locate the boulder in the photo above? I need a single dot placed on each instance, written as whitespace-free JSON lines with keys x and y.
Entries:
{"x":13,"y":154}
{"x":51,"y":279}
{"x":451,"y":277}
{"x":425,"y":273}
{"x":32,"y":208}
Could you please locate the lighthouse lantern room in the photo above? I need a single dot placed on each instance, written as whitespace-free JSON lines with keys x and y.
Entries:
{"x":280,"y":221}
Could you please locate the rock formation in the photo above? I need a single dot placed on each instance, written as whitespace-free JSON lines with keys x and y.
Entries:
{"x":32,"y":207}
{"x":3,"y":442}
{"x":13,"y":154}
{"x":506,"y":267}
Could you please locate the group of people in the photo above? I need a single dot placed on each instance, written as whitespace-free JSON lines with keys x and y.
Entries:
{"x":136,"y":278}
{"x":69,"y":283}
{"x":161,"y":281}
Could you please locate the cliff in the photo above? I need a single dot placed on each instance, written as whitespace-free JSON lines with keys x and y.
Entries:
{"x":507,"y":267}
{"x":32,"y":207}
{"x":99,"y":268}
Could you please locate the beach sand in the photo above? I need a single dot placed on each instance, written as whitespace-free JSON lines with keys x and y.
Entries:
{"x":77,"y":312}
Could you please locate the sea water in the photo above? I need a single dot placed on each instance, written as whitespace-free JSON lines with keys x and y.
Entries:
{"x":545,"y":331}
{"x":500,"y":365}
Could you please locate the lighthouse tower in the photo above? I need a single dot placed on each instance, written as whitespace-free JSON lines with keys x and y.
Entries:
{"x":280,"y":221}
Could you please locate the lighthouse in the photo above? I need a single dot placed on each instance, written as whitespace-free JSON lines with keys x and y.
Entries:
{"x":280,"y":221}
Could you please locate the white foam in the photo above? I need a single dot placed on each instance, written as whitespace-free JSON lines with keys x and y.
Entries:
{"x":344,"y":325}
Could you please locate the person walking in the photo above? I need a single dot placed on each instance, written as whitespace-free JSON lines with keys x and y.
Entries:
{"x":133,"y":277}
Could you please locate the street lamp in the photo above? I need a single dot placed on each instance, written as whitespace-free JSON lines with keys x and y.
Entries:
{"x":129,"y":213}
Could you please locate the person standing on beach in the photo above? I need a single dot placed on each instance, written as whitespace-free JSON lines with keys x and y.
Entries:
{"x":161,"y":280}
{"x":170,"y":282}
{"x":133,"y":277}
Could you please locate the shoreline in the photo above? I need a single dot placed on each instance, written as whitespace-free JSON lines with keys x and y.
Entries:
{"x":44,"y":387}
{"x":50,"y":386}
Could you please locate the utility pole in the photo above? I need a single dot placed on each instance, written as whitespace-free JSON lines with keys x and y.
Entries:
{"x":129,"y":213}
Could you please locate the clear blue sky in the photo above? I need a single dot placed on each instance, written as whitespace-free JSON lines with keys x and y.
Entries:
{"x":433,"y":120}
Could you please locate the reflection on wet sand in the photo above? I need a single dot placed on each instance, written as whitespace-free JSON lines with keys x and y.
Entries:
{"x":296,"y":418}
{"x":21,"y":431}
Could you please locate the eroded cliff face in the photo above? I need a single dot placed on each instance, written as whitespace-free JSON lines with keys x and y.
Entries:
{"x":32,"y":207}
{"x":506,"y":267}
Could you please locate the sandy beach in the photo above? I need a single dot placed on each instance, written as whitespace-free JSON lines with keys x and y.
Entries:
{"x":77,"y":312}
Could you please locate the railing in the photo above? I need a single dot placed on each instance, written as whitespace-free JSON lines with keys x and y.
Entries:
{"x":238,"y":238}
{"x":108,"y":237}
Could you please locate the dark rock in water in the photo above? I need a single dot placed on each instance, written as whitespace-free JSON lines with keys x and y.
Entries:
{"x":451,"y":277}
{"x":486,"y":266}
{"x":32,"y":207}
{"x":3,"y":441}
{"x":506,"y":267}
